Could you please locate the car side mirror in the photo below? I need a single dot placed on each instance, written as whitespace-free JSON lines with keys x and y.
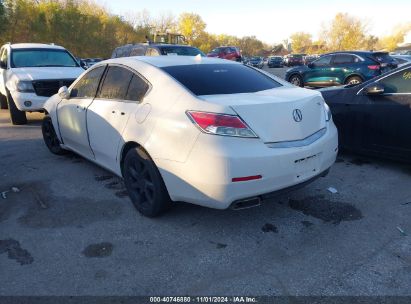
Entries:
{"x":310,"y":65}
{"x":3,"y":65}
{"x":64,"y":93}
{"x":374,"y":89}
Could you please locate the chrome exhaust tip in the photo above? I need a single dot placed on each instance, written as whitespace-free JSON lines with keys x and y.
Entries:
{"x":246,"y":203}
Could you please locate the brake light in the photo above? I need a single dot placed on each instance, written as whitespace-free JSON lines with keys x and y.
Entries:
{"x":374,"y":67}
{"x":221,"y":124}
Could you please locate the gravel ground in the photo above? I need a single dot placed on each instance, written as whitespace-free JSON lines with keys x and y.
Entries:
{"x":71,"y":230}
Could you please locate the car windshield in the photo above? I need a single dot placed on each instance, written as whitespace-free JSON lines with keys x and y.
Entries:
{"x":181,"y":51}
{"x":41,"y":58}
{"x":214,"y":79}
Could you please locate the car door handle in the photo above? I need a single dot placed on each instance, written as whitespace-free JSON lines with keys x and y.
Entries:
{"x":114,"y":112}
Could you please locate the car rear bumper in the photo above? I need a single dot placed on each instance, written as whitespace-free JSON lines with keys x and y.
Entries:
{"x":206,"y":177}
{"x":22,"y":101}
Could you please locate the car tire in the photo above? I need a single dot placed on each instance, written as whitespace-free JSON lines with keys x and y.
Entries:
{"x":3,"y":102}
{"x":296,"y":80}
{"x":353,"y":80}
{"x":50,"y":137}
{"x":17,"y":117}
{"x":144,"y":183}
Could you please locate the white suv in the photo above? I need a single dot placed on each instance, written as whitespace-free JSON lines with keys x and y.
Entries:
{"x":30,"y":73}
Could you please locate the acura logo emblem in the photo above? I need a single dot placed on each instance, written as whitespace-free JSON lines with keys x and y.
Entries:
{"x":297,"y":115}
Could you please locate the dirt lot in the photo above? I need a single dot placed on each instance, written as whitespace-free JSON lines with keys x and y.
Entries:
{"x":71,"y":230}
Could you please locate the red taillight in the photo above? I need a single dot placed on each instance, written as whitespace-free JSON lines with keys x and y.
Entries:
{"x":374,"y":67}
{"x":245,"y":178}
{"x":221,"y":124}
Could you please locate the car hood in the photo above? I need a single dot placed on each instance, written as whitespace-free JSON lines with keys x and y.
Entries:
{"x":39,"y":73}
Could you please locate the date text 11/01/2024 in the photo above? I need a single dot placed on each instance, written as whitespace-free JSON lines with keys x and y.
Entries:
{"x":203,"y":300}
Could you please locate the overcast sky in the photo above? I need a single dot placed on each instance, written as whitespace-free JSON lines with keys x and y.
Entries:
{"x":272,"y":21}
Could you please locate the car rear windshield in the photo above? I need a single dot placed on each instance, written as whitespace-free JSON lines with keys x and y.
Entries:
{"x":214,"y":79}
{"x":21,"y":58}
{"x":181,"y":51}
{"x":382,"y":57}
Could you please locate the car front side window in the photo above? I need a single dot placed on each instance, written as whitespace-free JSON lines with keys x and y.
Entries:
{"x":323,"y":61}
{"x":399,"y":82}
{"x":87,"y":86}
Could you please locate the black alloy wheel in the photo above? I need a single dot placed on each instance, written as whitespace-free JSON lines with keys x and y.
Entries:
{"x":144,"y":183}
{"x":50,"y":137}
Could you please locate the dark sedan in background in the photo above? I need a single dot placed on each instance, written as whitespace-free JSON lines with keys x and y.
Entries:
{"x":294,"y":60}
{"x":341,"y":68}
{"x":375,"y":117}
{"x":275,"y":62}
{"x":256,"y":62}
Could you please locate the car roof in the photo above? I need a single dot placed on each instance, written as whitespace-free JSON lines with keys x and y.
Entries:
{"x":357,"y":52}
{"x":165,"y":61}
{"x":173,"y":45}
{"x":36,"y":46}
{"x":154,"y":44}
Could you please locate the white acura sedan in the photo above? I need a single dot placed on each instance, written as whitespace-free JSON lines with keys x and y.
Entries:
{"x":205,"y":131}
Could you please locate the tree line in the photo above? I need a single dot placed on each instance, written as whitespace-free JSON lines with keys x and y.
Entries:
{"x":89,"y":30}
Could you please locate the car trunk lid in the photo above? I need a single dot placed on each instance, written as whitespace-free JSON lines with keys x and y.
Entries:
{"x":281,"y":114}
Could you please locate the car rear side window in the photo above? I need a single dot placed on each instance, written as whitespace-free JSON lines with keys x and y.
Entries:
{"x":343,"y":59}
{"x":213,"y":79}
{"x":399,"y":82}
{"x":87,"y":86}
{"x":137,"y":89}
{"x":115,"y":83}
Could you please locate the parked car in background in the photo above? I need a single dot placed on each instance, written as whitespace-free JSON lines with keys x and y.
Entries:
{"x":275,"y":62}
{"x":293,"y":60}
{"x":402,"y":59}
{"x":375,"y":117}
{"x":341,"y":68}
{"x":247,"y":132}
{"x":30,"y":73}
{"x":256,"y":62}
{"x":226,"y":52}
{"x":89,"y":62}
{"x":155,"y":49}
